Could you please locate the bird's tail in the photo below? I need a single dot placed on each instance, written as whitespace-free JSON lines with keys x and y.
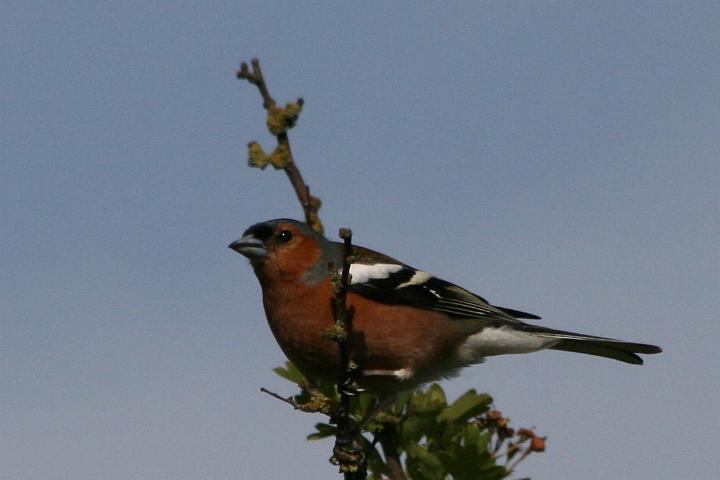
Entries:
{"x":591,"y":345}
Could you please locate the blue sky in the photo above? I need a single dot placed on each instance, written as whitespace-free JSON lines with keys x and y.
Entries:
{"x":555,"y":157}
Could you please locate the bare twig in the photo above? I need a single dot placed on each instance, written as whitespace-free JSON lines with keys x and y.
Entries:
{"x":256,"y":78}
{"x":316,"y":402}
{"x":289,"y":400}
{"x":279,"y":121}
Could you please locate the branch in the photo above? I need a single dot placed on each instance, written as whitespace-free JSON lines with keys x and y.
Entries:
{"x":289,"y":400}
{"x":343,"y":317}
{"x":389,"y":442}
{"x":279,"y":121}
{"x":348,"y":451}
{"x":315,"y":402}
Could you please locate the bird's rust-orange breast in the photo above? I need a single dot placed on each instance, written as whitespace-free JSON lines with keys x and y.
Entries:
{"x":384,"y":339}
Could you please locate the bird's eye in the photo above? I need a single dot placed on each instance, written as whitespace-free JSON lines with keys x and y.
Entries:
{"x":285,"y":236}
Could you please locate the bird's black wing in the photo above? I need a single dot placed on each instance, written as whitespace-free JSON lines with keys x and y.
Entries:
{"x":393,"y":282}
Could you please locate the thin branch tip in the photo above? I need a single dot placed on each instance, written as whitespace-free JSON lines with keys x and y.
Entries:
{"x":289,"y":400}
{"x":309,"y":204}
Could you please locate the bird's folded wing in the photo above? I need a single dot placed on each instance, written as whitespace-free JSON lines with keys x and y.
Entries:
{"x":383,"y":280}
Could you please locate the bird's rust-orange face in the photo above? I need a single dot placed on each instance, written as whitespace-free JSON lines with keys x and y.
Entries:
{"x":290,"y":253}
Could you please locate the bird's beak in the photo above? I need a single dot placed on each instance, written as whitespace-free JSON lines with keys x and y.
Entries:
{"x":249,"y":246}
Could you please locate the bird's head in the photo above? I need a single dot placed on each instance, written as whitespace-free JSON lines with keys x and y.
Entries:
{"x":287,"y":248}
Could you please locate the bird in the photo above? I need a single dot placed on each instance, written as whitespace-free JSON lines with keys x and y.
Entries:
{"x":409,"y":327}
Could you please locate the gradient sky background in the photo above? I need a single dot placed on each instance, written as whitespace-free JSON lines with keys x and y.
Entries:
{"x":555,"y":157}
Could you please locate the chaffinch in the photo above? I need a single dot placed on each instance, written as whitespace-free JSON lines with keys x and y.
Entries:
{"x":408,"y":326}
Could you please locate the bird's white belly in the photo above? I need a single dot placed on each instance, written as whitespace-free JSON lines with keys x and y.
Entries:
{"x":499,"y":341}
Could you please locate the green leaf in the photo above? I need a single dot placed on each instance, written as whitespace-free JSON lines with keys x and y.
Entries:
{"x":437,"y":394}
{"x":375,"y":461}
{"x":402,"y":400}
{"x":423,"y":465}
{"x":476,"y":438}
{"x":430,"y":400}
{"x":324,"y":430}
{"x":363,"y":404}
{"x":465,"y":462}
{"x":411,"y":430}
{"x":469,"y":405}
{"x":290,"y":372}
{"x":327,"y":389}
